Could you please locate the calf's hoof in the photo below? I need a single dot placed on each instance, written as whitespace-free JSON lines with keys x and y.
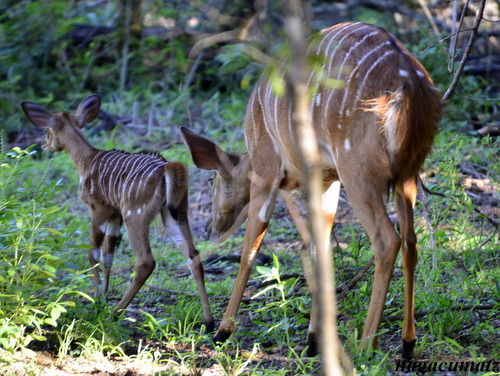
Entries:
{"x":312,"y":344}
{"x":210,"y":326}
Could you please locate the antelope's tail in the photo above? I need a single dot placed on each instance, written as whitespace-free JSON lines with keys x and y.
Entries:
{"x":409,"y":118}
{"x":176,"y":187}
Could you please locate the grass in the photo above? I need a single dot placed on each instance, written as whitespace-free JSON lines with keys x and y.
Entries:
{"x":50,"y":324}
{"x":163,"y":330}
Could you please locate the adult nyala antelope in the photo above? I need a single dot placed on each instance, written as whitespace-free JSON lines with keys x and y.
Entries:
{"x":375,"y":128}
{"x":120,"y":187}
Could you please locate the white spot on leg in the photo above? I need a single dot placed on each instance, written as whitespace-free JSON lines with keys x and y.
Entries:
{"x":103,"y":227}
{"x":107,"y":260}
{"x":265,"y":211}
{"x":113,"y":228}
{"x":330,"y":198}
{"x":347,"y":144}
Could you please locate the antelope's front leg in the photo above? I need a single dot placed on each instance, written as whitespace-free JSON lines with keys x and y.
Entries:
{"x":260,"y":208}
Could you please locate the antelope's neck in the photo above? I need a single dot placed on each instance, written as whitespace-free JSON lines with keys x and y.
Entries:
{"x":82,"y":153}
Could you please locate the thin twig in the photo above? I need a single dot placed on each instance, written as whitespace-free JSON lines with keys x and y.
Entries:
{"x":428,"y":14}
{"x":488,"y":218}
{"x":426,"y":215}
{"x":429,"y":191}
{"x":453,"y":44}
{"x":467,"y":51}
{"x":344,"y":288}
{"x":424,"y":51}
{"x":125,"y":47}
{"x":457,"y":308}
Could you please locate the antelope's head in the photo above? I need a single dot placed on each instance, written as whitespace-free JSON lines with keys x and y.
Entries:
{"x":231,"y":183}
{"x":59,"y":125}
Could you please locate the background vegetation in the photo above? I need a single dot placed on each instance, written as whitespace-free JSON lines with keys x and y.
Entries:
{"x":135,"y":54}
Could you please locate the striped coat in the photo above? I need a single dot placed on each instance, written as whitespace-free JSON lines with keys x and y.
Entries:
{"x":117,"y":177}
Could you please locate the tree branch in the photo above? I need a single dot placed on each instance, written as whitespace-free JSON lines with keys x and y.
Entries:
{"x":467,"y":51}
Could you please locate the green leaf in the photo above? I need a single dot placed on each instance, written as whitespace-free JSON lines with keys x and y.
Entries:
{"x":277,"y":83}
{"x":50,"y":321}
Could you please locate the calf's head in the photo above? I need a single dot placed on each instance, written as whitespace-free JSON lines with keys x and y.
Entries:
{"x":59,"y":125}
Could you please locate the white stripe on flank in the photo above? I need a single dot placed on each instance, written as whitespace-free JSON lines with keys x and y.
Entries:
{"x":268,"y":120}
{"x":342,"y":65}
{"x":331,"y":57}
{"x":102,"y":171}
{"x":113,"y":177}
{"x":94,"y":176}
{"x":95,"y":163}
{"x":155,"y":165}
{"x":139,"y":178}
{"x":125,"y":171}
{"x":318,"y":51}
{"x":130,"y":181}
{"x":354,"y":71}
{"x":372,"y":67}
{"x":276,"y":112}
{"x":251,"y":108}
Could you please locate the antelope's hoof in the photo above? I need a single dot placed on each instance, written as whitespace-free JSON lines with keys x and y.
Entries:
{"x":222,"y":335}
{"x":407,"y":349}
{"x":209,"y":326}
{"x":312,"y":344}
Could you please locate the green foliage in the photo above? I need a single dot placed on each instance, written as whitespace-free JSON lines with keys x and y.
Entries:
{"x":37,"y":285}
{"x":44,"y":228}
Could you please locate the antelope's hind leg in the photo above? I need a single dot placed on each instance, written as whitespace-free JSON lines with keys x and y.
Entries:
{"x":111,"y":241}
{"x":176,"y":221}
{"x":138,"y":234}
{"x":367,"y":200}
{"x":94,"y":253}
{"x":405,"y":197}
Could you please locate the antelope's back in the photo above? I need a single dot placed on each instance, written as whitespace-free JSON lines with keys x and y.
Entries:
{"x":365,"y":76}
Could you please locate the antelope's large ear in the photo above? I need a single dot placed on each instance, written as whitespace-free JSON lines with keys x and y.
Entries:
{"x":88,"y":109}
{"x":207,"y":155}
{"x":38,"y":115}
